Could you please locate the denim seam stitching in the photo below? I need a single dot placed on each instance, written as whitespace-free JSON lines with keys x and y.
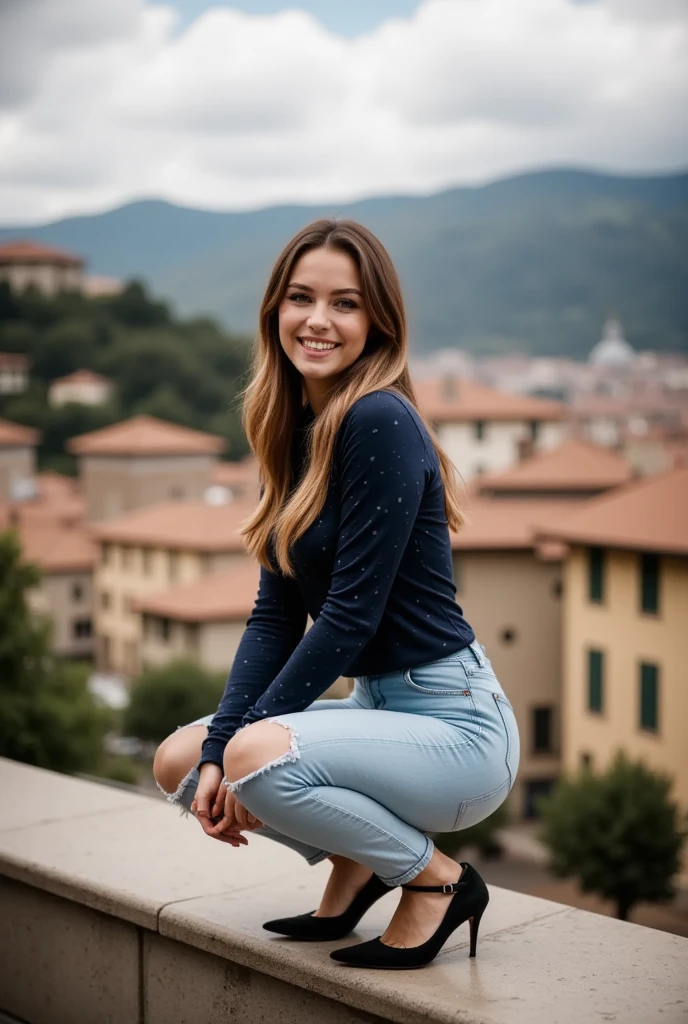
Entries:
{"x":465,"y":804}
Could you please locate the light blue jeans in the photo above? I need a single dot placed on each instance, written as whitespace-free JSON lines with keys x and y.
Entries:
{"x":428,"y":749}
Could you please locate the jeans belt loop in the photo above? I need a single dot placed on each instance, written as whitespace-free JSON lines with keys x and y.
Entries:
{"x":477,"y":653}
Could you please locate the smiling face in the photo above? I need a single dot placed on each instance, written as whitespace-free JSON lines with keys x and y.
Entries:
{"x":323,"y":324}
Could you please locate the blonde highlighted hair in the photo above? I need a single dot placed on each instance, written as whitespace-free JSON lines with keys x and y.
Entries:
{"x":273,"y":399}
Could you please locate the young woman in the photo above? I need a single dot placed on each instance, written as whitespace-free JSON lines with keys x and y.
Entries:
{"x":352,"y":527}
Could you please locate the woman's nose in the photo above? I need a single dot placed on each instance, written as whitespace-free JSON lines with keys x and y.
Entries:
{"x":318,"y":318}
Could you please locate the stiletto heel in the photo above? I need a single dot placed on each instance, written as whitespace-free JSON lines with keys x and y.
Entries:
{"x":474,"y":924}
{"x":467,"y":904}
{"x":322,"y":929}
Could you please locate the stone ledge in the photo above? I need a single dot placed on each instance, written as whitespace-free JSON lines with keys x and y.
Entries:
{"x":132,"y":859}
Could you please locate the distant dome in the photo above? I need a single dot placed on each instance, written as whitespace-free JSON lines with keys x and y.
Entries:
{"x":612,"y":349}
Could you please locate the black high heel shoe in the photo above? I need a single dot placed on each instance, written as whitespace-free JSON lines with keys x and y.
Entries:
{"x":468,"y":904}
{"x":320,"y":929}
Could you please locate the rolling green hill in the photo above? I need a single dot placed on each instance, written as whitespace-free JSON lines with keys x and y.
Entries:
{"x":533,"y":262}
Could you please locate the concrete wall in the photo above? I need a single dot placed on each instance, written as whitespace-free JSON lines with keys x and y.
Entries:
{"x":115,"y":485}
{"x":16,"y":465}
{"x":67,"y":599}
{"x":124,"y":573}
{"x":515,"y":591}
{"x":500,"y":445}
{"x":46,"y":277}
{"x":84,"y":392}
{"x":627,"y":636}
{"x":118,"y":911}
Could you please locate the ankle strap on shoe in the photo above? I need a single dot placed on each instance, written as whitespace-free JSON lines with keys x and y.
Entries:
{"x":447,"y":888}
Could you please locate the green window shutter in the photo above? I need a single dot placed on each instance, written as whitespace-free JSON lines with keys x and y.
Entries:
{"x":649,"y":696}
{"x":595,"y":680}
{"x":649,"y":583}
{"x":596,"y":567}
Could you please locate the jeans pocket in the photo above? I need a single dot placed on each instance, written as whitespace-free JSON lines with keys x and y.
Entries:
{"x":438,"y":678}
{"x":471,"y":812}
{"x":513,"y":744}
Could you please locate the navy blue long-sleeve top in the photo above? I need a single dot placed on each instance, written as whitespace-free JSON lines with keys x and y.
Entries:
{"x":374,"y":572}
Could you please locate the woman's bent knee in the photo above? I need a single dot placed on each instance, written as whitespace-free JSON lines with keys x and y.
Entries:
{"x":176,"y":756}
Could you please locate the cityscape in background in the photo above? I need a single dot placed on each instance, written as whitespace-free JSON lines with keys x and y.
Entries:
{"x":574,"y":583}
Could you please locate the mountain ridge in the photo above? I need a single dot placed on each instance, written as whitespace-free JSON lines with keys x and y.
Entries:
{"x":533,"y":261}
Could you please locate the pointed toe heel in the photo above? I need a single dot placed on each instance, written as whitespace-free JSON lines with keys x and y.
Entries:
{"x":321,"y":929}
{"x":469,"y":899}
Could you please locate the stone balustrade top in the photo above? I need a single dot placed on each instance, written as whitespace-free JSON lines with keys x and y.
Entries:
{"x":136,"y":860}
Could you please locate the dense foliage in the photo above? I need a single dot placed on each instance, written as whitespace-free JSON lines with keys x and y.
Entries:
{"x":47,"y":715}
{"x":534,"y":262}
{"x":188,"y":372}
{"x":175,"y":694}
{"x":618,"y":833}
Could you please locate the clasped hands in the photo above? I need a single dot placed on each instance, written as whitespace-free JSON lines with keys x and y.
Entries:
{"x":221,"y":814}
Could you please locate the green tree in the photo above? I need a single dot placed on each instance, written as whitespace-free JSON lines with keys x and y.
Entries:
{"x":164,"y":698}
{"x":134,"y":308}
{"x":618,"y":833}
{"x":47,"y":715}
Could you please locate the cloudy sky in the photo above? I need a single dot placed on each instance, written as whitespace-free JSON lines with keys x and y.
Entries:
{"x":233,"y":106}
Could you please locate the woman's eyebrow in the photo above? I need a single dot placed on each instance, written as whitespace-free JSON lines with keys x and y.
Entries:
{"x":335,"y":291}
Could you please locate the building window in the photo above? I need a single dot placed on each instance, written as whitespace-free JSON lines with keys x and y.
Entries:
{"x":543,"y":735}
{"x":105,"y":551}
{"x":534,"y":791}
{"x":173,"y":564}
{"x":164,"y":627}
{"x":649,"y":584}
{"x":586,"y":761}
{"x":479,"y":430}
{"x":77,"y":592}
{"x":534,"y":430}
{"x":557,"y":588}
{"x":146,"y":560}
{"x":649,"y":697}
{"x":191,"y":637}
{"x":105,"y":599}
{"x":596,"y":566}
{"x":508,"y":635}
{"x":82,"y":629}
{"x":596,"y":681}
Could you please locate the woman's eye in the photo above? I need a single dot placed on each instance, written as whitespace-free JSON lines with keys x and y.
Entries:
{"x":298,"y":295}
{"x":348,"y":303}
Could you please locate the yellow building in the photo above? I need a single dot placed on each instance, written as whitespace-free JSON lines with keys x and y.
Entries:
{"x":625,"y":628}
{"x":148,"y":551}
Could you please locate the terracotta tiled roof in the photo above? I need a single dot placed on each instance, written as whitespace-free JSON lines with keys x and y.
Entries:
{"x":220,"y":597}
{"x":13,"y":361}
{"x":651,"y":515}
{"x":459,"y":399}
{"x":54,"y":486}
{"x":82,"y":377}
{"x":184,"y":525}
{"x":57,"y":548}
{"x":25,"y":251}
{"x":146,"y":435}
{"x":12,"y":435}
{"x":509,"y":524}
{"x":576,"y":465}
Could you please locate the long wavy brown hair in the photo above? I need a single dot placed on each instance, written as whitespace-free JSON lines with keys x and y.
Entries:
{"x":274,"y":398}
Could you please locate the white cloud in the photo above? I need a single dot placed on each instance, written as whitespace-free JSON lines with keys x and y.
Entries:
{"x":103,"y":102}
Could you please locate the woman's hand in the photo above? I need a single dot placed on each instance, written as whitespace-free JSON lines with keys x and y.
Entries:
{"x":209,"y":805}
{"x":234,"y":817}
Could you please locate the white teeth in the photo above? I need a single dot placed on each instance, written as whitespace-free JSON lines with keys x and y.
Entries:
{"x":319,"y":346}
